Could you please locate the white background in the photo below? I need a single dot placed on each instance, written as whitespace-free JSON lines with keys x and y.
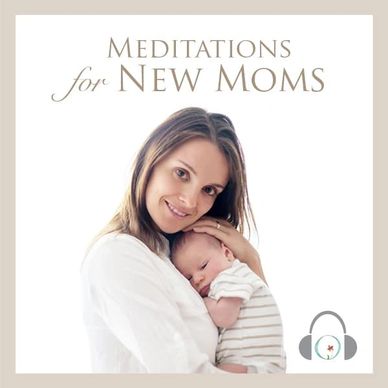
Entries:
{"x":308,"y":155}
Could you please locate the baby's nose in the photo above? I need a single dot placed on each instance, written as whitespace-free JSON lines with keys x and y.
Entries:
{"x":197,"y":278}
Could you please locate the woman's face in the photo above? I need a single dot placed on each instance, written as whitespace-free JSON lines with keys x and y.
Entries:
{"x":185,"y":184}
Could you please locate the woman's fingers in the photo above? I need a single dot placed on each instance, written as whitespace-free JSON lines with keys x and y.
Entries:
{"x":210,"y":223}
{"x":217,"y":233}
{"x":212,"y":220}
{"x":217,"y":228}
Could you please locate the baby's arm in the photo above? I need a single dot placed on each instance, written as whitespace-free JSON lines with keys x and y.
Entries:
{"x":223,"y":312}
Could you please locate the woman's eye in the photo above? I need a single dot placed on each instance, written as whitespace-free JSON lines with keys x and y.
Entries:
{"x":210,"y":190}
{"x":180,"y":173}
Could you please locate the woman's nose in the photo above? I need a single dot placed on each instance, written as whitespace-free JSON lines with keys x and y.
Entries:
{"x":189,"y":198}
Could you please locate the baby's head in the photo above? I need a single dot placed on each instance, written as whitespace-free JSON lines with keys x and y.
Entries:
{"x":200,"y":258}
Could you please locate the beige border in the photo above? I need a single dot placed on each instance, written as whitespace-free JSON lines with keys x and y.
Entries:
{"x":10,"y":8}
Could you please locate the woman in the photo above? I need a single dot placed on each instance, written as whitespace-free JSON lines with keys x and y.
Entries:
{"x":141,"y":314}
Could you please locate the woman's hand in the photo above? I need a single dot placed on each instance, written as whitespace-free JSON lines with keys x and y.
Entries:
{"x":233,"y":368}
{"x":232,"y":238}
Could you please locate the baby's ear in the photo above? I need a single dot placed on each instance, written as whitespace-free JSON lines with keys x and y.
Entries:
{"x":227,"y":252}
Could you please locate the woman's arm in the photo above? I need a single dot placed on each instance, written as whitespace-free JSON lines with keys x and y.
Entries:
{"x":252,"y":259}
{"x":233,"y":239}
{"x":132,"y":296}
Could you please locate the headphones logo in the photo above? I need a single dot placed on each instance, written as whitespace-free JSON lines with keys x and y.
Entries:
{"x":328,"y":346}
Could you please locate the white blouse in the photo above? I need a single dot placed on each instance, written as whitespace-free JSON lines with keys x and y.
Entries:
{"x":141,"y":314}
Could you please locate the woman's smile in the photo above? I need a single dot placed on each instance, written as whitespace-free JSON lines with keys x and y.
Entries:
{"x":175,"y":211}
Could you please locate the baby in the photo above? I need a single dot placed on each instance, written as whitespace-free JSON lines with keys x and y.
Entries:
{"x":238,"y":301}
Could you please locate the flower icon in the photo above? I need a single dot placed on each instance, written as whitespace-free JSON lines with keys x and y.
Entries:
{"x":327,"y":347}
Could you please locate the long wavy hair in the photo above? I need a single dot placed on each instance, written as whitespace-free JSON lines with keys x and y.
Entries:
{"x":232,"y":204}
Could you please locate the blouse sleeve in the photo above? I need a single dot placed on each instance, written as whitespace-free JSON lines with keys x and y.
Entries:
{"x":130,"y":294}
{"x":237,"y":281}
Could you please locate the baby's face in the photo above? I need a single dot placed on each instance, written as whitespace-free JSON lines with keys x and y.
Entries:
{"x":200,"y":259}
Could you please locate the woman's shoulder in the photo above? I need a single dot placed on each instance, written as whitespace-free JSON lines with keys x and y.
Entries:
{"x":117,"y":241}
{"x":117,"y":250}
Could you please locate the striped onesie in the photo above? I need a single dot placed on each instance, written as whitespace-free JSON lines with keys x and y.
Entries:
{"x":256,"y":338}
